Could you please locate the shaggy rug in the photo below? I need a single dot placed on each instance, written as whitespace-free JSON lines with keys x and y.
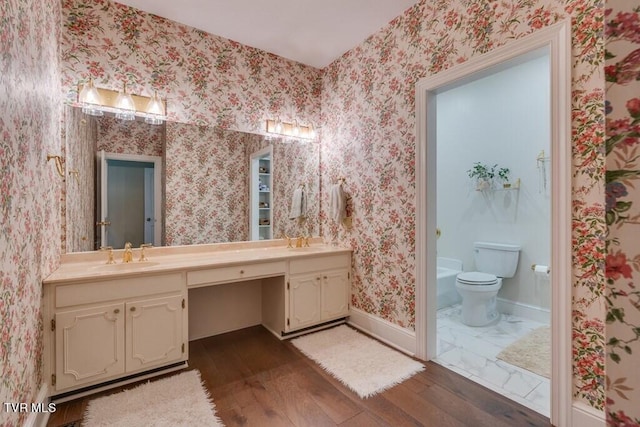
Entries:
{"x":179,"y":400}
{"x":363,"y":364}
{"x":531,"y":352}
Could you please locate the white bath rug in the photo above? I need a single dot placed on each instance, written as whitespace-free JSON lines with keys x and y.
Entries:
{"x":363,"y":364}
{"x":531,"y":352}
{"x":179,"y":400}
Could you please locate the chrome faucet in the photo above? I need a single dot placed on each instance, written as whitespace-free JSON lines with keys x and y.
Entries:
{"x":127,"y":255}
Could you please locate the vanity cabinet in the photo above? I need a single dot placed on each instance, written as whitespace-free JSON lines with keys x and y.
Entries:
{"x":105,"y":330}
{"x":319,"y":290}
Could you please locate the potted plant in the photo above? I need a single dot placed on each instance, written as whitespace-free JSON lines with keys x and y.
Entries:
{"x":483,"y":174}
{"x":503,"y":175}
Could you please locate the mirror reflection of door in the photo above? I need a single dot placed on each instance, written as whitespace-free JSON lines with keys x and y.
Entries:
{"x":129,"y":195}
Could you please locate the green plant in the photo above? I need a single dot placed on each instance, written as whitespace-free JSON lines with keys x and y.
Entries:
{"x":480,"y":171}
{"x":503,"y":174}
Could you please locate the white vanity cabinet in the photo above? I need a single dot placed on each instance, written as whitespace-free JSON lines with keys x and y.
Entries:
{"x":105,"y":330}
{"x":318,"y":290}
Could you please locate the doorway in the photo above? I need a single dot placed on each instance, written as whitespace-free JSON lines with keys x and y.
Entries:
{"x":555,"y":40}
{"x":129,"y":199}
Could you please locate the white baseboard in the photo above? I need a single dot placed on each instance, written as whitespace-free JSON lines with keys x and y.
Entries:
{"x":584,"y":415}
{"x":532,"y":312}
{"x":397,"y":337}
{"x":39,"y":419}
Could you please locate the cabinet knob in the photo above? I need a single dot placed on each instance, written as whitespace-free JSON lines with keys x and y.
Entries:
{"x":318,"y":278}
{"x":133,"y":309}
{"x":241,"y":271}
{"x":116,"y":311}
{"x":324,"y":277}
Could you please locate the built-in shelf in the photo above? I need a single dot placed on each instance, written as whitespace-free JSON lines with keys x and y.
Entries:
{"x":512,"y":186}
{"x":261,"y":198}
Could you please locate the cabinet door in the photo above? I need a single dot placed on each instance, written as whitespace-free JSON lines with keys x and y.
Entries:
{"x":335,"y":294}
{"x":89,"y":345}
{"x":154,"y":332}
{"x":304,"y":300}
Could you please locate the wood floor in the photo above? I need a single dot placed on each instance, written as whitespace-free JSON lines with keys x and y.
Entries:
{"x":257,"y":380}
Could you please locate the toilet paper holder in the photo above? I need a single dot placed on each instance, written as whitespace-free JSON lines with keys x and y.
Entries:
{"x":535,"y":266}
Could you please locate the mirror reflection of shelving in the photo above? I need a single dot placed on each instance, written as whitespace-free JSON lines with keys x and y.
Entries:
{"x":261,"y":216}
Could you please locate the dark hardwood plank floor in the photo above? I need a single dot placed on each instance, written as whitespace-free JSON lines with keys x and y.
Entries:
{"x":257,"y":380}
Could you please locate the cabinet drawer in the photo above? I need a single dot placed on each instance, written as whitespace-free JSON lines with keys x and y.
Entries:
{"x":236,"y":273}
{"x":320,"y":263}
{"x":109,"y":290}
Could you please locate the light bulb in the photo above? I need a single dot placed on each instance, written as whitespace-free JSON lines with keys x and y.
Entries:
{"x":90,"y":100}
{"x":278,"y":126}
{"x":155,"y":111}
{"x":125,"y":105}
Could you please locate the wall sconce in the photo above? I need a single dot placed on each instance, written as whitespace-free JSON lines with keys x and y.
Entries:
{"x":96,"y":101}
{"x":294,"y":130}
{"x":58,"y":161}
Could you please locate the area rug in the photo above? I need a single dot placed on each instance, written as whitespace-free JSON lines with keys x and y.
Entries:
{"x":362,"y":364}
{"x":531,"y":352}
{"x":179,"y":400}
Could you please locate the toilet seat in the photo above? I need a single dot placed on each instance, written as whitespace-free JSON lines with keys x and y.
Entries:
{"x":476,"y":278}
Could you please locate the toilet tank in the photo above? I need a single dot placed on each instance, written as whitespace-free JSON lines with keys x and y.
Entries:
{"x":500,"y":259}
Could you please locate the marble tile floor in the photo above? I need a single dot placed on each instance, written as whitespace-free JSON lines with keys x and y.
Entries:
{"x":471,"y":352}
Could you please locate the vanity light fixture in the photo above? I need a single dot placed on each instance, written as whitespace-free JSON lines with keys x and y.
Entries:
{"x":277,"y":127}
{"x":294,"y":130}
{"x":125,"y":105}
{"x":155,"y":110}
{"x":90,"y":100}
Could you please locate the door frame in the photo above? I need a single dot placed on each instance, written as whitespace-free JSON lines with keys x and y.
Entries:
{"x":103,"y":157}
{"x":557,"y":38}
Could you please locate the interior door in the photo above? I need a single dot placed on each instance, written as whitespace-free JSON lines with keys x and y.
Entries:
{"x":101,"y":184}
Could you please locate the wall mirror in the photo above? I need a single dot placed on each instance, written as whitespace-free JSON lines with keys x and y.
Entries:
{"x":205,"y":181}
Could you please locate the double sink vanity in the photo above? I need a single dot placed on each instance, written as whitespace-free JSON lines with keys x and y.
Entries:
{"x":107,"y":323}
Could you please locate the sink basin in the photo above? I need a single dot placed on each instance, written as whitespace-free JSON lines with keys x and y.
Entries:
{"x":124,"y":267}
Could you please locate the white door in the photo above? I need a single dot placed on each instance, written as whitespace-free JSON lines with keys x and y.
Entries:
{"x":101,"y":196}
{"x":89,"y":345}
{"x":335,"y":294}
{"x":119,"y":226}
{"x":154,"y":332}
{"x":149,"y":206}
{"x":304,"y":300}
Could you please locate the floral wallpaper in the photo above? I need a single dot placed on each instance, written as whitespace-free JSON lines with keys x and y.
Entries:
{"x":296,"y":164}
{"x":368,"y":124}
{"x":78,"y":222}
{"x":206,"y":79}
{"x":622,"y":74}
{"x":134,"y":137}
{"x":207,"y":184}
{"x":30,"y":189}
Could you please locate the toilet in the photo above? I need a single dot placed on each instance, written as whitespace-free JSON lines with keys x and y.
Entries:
{"x":478,"y":289}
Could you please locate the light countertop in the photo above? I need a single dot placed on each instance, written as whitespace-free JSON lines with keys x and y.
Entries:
{"x":85,"y":266}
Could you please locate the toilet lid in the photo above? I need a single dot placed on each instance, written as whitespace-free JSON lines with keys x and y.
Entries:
{"x":477,"y":278}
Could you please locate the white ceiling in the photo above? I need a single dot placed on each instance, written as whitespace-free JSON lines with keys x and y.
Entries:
{"x":313,"y":32}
